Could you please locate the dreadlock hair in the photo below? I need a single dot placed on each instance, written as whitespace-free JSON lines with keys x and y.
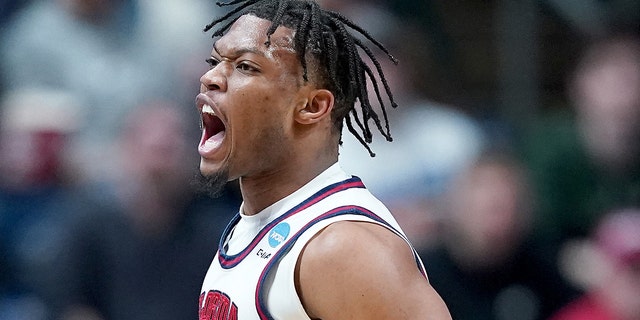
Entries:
{"x":324,"y":37}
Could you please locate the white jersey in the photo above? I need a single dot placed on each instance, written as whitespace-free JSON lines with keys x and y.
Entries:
{"x":256,"y":279}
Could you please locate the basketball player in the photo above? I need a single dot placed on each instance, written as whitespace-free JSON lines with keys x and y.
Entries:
{"x":309,"y":242}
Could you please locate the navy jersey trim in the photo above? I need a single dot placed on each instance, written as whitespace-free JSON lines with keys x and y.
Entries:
{"x":230,"y":261}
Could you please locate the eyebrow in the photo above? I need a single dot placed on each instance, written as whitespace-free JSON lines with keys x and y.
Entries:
{"x":239,"y":51}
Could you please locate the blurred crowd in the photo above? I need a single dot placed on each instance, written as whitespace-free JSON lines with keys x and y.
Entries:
{"x":98,"y":216}
{"x":99,"y":219}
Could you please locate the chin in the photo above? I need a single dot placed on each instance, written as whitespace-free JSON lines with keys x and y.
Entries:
{"x":211,"y":182}
{"x":210,"y":168}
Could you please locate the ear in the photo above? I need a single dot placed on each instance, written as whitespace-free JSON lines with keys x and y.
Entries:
{"x":318,"y":106}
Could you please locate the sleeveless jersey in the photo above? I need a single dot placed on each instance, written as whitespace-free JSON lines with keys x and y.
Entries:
{"x":258,"y":281}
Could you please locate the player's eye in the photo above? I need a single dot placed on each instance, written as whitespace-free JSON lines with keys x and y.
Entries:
{"x":246,"y":67}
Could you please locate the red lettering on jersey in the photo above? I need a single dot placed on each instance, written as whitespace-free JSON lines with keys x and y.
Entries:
{"x":216,"y":305}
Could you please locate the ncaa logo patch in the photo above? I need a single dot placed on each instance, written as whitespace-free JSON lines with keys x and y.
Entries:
{"x":279,"y":234}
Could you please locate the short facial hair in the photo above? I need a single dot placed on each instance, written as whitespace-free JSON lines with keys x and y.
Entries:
{"x":211,"y":185}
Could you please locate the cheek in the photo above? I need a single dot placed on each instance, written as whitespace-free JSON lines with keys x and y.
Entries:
{"x":258,"y":107}
{"x":260,"y":144}
{"x":252,"y":110}
{"x":255,"y":119}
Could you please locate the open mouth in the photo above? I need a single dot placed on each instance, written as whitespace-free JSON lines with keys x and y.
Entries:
{"x":213,"y":130}
{"x":211,"y":124}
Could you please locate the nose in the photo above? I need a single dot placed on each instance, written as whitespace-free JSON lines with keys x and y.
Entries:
{"x":214,"y":79}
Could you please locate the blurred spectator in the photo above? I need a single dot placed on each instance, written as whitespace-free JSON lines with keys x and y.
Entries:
{"x":588,"y":163}
{"x":431,"y":142}
{"x":112,"y":54}
{"x":612,"y":257}
{"x":143,"y":243}
{"x":7,"y":9}
{"x":487,"y":267}
{"x":35,"y":196}
{"x":431,"y":145}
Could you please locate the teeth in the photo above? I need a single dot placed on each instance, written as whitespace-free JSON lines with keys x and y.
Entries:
{"x":207,"y":109}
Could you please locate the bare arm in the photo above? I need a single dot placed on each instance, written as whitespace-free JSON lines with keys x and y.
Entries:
{"x":360,"y":270}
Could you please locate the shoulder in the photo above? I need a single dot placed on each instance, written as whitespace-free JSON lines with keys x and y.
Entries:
{"x":361,"y":270}
{"x":361,"y":241}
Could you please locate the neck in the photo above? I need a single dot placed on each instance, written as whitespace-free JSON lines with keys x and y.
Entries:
{"x":261,"y":191}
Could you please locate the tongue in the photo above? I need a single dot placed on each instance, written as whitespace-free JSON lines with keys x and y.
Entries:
{"x":213,"y":142}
